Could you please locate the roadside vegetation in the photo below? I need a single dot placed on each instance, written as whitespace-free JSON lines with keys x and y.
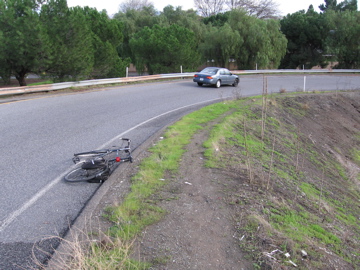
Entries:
{"x":297,"y":200}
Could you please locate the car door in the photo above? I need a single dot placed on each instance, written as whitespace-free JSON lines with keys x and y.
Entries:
{"x":223,"y":76}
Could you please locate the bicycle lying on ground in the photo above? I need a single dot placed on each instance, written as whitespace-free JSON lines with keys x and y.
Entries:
{"x":96,"y":166}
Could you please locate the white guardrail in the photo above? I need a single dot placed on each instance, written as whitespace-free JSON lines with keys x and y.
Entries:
{"x":64,"y":85}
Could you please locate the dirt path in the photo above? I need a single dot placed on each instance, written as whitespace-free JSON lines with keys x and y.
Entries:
{"x":198,"y":232}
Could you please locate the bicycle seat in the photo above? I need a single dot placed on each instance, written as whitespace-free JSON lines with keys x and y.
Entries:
{"x":93,"y":164}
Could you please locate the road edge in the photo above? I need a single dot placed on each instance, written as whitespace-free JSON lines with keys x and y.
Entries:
{"x":87,"y":212}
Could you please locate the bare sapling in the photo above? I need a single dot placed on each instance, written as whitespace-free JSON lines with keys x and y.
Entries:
{"x":271,"y":163}
{"x":248,"y":159}
{"x":321,"y":189}
{"x":264,"y":107}
{"x":297,"y":151}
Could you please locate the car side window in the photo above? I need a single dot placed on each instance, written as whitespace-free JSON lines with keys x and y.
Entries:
{"x":222,"y":72}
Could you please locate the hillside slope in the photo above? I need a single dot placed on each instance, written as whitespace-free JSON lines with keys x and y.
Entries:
{"x":272,"y":185}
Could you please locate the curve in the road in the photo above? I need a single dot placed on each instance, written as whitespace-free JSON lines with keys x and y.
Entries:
{"x":12,"y":216}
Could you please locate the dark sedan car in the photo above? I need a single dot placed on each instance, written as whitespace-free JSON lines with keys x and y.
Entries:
{"x":216,"y":76}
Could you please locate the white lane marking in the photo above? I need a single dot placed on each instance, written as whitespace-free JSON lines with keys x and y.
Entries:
{"x":6,"y":222}
{"x":10,"y":218}
{"x":151,"y":119}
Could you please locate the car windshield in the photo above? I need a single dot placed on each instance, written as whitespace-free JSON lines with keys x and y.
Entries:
{"x":210,"y":70}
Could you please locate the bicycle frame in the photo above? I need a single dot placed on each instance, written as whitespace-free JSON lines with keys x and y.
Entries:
{"x":92,"y":155}
{"x":96,"y":166}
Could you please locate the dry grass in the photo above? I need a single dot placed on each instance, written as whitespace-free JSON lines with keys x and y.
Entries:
{"x":84,"y":250}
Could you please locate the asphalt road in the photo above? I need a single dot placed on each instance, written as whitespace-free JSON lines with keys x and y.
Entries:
{"x":40,"y":135}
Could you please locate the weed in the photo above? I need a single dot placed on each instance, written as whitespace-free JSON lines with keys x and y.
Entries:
{"x":85,"y":251}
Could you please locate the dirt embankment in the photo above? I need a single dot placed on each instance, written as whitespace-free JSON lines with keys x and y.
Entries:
{"x":293,"y":205}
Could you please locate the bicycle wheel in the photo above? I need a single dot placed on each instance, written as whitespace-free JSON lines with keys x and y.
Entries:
{"x":79,"y":174}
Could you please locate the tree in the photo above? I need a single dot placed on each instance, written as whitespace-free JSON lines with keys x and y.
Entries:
{"x":221,"y":44}
{"x":262,"y":9}
{"x":333,"y":5}
{"x":348,"y":5}
{"x":23,"y":46}
{"x":249,"y":40}
{"x":138,"y":19}
{"x":134,"y":21}
{"x":137,"y":5}
{"x":184,"y":18}
{"x":329,"y":4}
{"x":264,"y":45}
{"x":164,"y":49}
{"x":275,"y":45}
{"x":209,"y":7}
{"x":344,"y":38}
{"x":218,"y":19}
{"x":107,"y":37}
{"x":5,"y":70}
{"x":70,"y":37}
{"x":306,"y":34}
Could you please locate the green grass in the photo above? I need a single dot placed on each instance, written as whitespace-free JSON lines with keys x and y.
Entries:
{"x":41,"y":83}
{"x":135,"y":213}
{"x":301,"y":226}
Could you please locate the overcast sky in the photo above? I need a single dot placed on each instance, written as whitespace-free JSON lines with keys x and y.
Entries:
{"x":112,"y":6}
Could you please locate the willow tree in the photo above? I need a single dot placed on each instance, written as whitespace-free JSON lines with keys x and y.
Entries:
{"x":221,"y":45}
{"x":264,"y":44}
{"x":162,"y":49}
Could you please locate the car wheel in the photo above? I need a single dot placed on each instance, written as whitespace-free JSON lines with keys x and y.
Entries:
{"x":218,"y":84}
{"x":236,"y":82}
{"x":199,"y":84}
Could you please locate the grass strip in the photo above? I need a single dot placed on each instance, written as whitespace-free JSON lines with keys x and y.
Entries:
{"x":135,"y":213}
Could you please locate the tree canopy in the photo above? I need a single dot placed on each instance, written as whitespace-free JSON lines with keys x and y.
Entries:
{"x":315,"y":39}
{"x":333,"y":5}
{"x":163,"y":49}
{"x":262,"y":9}
{"x":50,"y":39}
{"x":23,"y":43}
{"x":306,"y":33}
{"x":249,"y":41}
{"x":344,"y":38}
